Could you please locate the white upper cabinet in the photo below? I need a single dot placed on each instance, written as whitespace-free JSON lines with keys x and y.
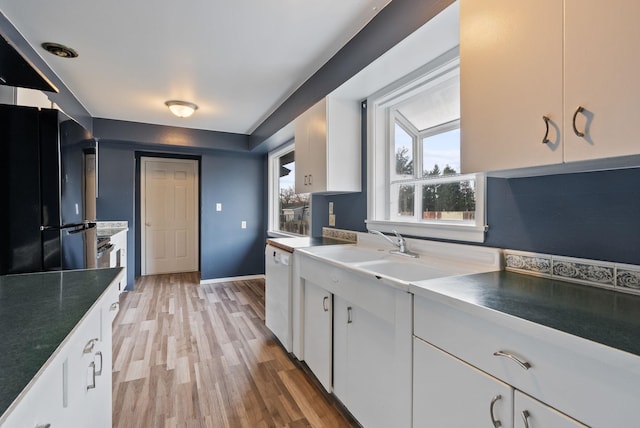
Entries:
{"x":523,"y":61}
{"x":327,"y":147}
{"x":510,"y":77}
{"x":601,"y":62}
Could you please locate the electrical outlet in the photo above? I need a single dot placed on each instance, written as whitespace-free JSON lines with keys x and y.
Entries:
{"x":330,"y":207}
{"x":243,"y":224}
{"x":218,"y":206}
{"x":332,"y":219}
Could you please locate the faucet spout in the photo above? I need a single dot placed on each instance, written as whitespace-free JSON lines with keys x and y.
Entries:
{"x":401,"y":244}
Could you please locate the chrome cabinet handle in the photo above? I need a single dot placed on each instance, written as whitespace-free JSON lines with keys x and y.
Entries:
{"x":525,"y":418}
{"x":496,"y":422}
{"x":88,"y":348}
{"x":310,"y":179}
{"x":92,"y":368}
{"x":98,"y":354}
{"x":114,"y":306}
{"x":43,"y":426}
{"x":325,"y":301}
{"x":524,"y":364}
{"x":545,"y":139}
{"x":349,"y":315}
{"x":580,"y":109}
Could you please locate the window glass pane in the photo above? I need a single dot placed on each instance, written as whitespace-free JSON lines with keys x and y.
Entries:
{"x":441,"y":154}
{"x":404,"y":152}
{"x":293,"y":207}
{"x":449,"y":201}
{"x":405,"y":200}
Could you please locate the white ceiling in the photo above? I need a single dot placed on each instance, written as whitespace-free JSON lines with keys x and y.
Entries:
{"x":237,"y":59}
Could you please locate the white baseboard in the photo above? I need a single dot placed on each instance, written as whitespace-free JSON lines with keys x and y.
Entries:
{"x":231,"y":279}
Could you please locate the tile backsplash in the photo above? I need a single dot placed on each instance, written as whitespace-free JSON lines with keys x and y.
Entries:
{"x":619,"y":277}
{"x":341,"y":234}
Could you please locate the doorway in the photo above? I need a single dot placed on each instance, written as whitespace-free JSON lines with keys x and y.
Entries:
{"x":169,"y":220}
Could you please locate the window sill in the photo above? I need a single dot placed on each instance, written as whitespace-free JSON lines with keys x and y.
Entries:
{"x":455,"y":232}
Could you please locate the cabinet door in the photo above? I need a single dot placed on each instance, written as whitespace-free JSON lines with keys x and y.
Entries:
{"x":447,"y":392}
{"x":317,"y":332}
{"x":510,"y":77}
{"x":530,"y":413}
{"x":601,"y":75}
{"x":364,"y":364}
{"x":311,"y":149}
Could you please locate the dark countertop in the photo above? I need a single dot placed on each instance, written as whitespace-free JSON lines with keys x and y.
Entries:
{"x":604,"y":316}
{"x":289,"y":244}
{"x":37,"y":312}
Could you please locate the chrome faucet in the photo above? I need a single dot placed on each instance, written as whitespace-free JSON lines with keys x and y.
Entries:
{"x":400,"y":243}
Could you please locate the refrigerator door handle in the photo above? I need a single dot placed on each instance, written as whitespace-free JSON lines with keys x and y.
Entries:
{"x":77,"y":227}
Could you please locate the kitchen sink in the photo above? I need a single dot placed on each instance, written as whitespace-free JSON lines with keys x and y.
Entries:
{"x":404,"y":271}
{"x":349,"y":253}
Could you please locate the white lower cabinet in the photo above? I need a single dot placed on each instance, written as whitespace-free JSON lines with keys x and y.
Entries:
{"x":73,"y":389}
{"x":447,"y":392}
{"x":317,"y":349}
{"x":357,"y":341}
{"x":531,"y":413}
{"x":363,"y":364}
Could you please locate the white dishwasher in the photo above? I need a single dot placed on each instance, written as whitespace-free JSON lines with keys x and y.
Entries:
{"x":278,"y":294}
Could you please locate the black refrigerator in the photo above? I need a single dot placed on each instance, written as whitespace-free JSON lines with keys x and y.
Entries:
{"x":42,"y":162}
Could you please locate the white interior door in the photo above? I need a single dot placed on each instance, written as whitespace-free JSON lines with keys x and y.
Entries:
{"x":169,"y":214}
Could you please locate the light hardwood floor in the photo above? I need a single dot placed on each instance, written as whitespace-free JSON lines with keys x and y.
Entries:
{"x":191,"y":355}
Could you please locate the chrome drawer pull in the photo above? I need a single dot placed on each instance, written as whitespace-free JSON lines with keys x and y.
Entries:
{"x":98,"y":354}
{"x":114,"y":306}
{"x":88,"y":348}
{"x":525,"y":418}
{"x":496,"y":422}
{"x":524,"y":364}
{"x":92,"y":369}
{"x":349,"y":315}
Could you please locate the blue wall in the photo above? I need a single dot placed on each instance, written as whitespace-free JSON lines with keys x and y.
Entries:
{"x":592,"y":215}
{"x":234,"y":179}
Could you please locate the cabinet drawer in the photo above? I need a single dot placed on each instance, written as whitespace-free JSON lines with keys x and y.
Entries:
{"x":371,"y":295}
{"x":595,"y":384}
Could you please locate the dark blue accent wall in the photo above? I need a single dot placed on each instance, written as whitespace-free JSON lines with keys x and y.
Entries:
{"x":237,"y":182}
{"x":233,"y":179}
{"x":116,"y":177}
{"x":591,"y":215}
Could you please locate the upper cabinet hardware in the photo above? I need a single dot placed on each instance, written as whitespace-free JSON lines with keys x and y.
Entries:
{"x":580,"y":109}
{"x":545,"y":139}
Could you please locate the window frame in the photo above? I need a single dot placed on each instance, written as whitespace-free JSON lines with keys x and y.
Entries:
{"x":381,"y":154}
{"x":273,"y":220}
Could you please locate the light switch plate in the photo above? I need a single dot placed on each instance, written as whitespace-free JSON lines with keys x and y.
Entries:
{"x":243,"y":224}
{"x":330,"y":207}
{"x":218,"y":206}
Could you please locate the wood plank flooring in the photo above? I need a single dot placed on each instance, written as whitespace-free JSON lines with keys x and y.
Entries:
{"x":191,"y":355}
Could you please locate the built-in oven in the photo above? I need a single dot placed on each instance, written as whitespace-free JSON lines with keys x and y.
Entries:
{"x":105,"y":248}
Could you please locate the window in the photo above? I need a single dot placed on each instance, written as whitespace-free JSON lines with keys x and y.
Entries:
{"x":289,"y":211}
{"x":415,"y":185}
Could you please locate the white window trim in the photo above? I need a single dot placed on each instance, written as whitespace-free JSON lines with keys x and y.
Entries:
{"x":380,"y":134}
{"x":274,"y":190}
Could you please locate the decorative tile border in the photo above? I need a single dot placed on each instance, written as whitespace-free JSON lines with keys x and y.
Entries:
{"x":528,"y":263}
{"x":344,"y":235}
{"x":620,"y":277}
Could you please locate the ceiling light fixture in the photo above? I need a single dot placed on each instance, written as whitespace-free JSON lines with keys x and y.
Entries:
{"x":181,"y":108}
{"x":59,"y":50}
